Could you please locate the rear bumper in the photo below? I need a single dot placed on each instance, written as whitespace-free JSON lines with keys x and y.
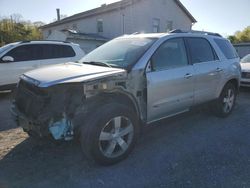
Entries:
{"x":245,"y":83}
{"x":7,"y":87}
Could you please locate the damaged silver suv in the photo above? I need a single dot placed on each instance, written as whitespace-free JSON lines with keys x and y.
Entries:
{"x":127,"y":83}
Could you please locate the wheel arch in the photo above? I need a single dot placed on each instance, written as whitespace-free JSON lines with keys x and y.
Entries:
{"x":120,"y":97}
{"x":101,"y":99}
{"x":233,"y":81}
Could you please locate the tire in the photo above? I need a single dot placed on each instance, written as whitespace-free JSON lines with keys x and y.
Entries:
{"x":110,"y":134}
{"x":225,"y":103}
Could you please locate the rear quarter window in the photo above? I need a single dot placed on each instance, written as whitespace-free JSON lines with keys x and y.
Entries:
{"x":227,"y":48}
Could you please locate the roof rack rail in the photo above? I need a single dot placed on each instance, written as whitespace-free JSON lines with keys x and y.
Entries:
{"x":27,"y":41}
{"x":135,"y":33}
{"x":194,"y":31}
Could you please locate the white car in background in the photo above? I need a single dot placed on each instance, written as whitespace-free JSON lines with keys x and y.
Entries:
{"x":245,"y":66}
{"x":20,"y":57}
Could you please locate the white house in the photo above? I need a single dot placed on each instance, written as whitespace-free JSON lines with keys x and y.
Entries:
{"x":94,"y":27}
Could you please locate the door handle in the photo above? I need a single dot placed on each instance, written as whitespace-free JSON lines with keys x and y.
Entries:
{"x":218,"y":70}
{"x":188,"y":75}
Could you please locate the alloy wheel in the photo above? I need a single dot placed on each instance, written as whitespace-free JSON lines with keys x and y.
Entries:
{"x":228,"y":101}
{"x":116,"y":137}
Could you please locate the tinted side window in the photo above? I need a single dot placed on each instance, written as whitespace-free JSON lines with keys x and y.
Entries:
{"x":49,"y":51}
{"x":170,"y":54}
{"x":226,"y":48}
{"x":54,"y":51}
{"x":25,"y":53}
{"x":67,"y":51}
{"x":201,"y":50}
{"x":31,"y":52}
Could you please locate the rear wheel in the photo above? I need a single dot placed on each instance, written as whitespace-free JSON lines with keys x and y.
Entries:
{"x":226,"y":102}
{"x":110,"y":134}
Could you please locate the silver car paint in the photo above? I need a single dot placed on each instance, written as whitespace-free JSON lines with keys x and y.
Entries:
{"x":209,"y":80}
{"x":178,"y":93}
{"x":70,"y":73}
{"x":169,"y":92}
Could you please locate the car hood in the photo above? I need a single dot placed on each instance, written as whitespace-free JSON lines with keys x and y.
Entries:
{"x":69,"y":73}
{"x":245,"y":66}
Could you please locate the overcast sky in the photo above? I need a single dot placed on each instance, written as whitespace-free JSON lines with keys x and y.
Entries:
{"x":223,"y":16}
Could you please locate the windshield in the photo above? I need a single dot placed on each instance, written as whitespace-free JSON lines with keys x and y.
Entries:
{"x":4,"y":48}
{"x":122,"y":52}
{"x":246,"y":59}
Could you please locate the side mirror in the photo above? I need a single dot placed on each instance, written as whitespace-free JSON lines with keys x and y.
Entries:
{"x":8,"y":59}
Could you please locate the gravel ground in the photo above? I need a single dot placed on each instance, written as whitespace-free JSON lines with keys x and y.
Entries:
{"x":192,"y":150}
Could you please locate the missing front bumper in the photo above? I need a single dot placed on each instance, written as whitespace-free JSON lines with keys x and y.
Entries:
{"x":59,"y":130}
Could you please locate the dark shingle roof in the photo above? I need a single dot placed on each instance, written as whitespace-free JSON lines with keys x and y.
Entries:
{"x":89,"y":36}
{"x":110,"y":7}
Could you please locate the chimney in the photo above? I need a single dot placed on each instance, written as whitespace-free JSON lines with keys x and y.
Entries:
{"x":58,"y":14}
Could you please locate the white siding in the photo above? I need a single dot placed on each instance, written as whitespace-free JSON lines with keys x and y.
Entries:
{"x":168,"y":10}
{"x":86,"y":45}
{"x":137,"y":18}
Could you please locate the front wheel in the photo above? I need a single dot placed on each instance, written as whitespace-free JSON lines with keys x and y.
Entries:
{"x":226,"y":102}
{"x":110,"y":134}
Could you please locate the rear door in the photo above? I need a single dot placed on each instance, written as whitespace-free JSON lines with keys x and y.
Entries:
{"x":207,"y":67}
{"x":170,"y":82}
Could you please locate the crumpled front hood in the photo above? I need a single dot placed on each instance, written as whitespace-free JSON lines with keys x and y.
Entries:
{"x":245,"y":66}
{"x":69,"y":73}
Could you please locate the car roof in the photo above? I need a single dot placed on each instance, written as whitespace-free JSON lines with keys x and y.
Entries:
{"x":174,"y":33}
{"x":145,"y":35}
{"x":43,"y":42}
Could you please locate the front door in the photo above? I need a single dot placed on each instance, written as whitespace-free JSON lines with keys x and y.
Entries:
{"x":24,"y":60}
{"x":170,"y":83}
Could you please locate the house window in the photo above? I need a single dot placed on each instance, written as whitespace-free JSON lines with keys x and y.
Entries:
{"x":156,"y":25}
{"x":49,"y":32}
{"x":169,"y":26}
{"x":74,"y":26}
{"x":99,"y":25}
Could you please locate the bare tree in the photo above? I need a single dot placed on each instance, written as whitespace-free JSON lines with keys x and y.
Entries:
{"x":16,"y":18}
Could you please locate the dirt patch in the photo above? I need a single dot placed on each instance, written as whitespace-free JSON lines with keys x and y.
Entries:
{"x":194,"y":150}
{"x":10,"y":139}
